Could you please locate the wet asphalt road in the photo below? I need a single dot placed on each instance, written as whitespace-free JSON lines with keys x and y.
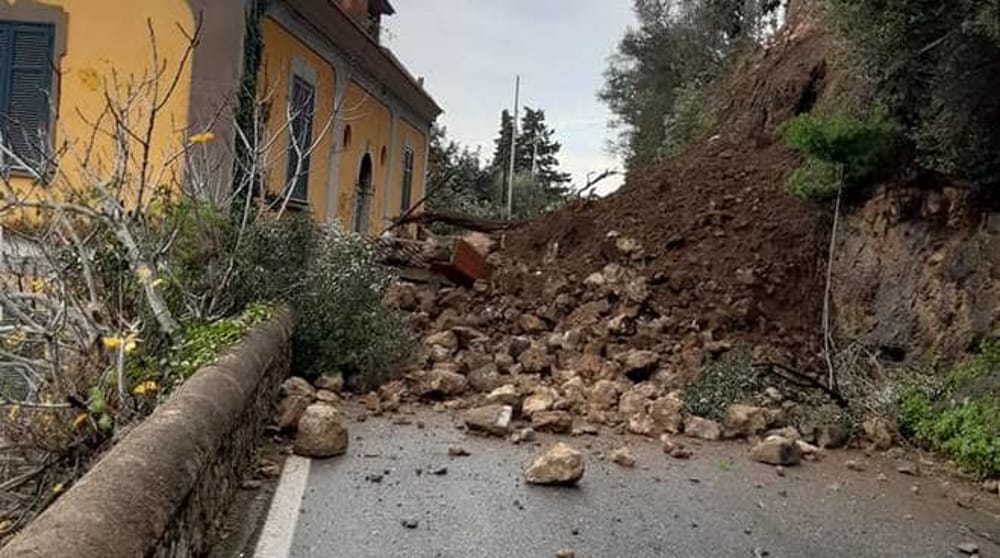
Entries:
{"x":717,"y":504}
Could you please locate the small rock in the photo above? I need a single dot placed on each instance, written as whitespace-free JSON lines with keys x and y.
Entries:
{"x":290,"y":410}
{"x":442,"y":381}
{"x":565,"y":553}
{"x":410,"y":523}
{"x":666,"y":413}
{"x":560,"y":465}
{"x":374,"y":477}
{"x":775,"y":450}
{"x":555,"y":422}
{"x":504,"y":395}
{"x":327,"y":396}
{"x":854,"y":465}
{"x":623,"y":456}
{"x":296,"y":386}
{"x":542,"y":400}
{"x":908,"y":468}
{"x":832,"y":436}
{"x":531,"y":324}
{"x":743,"y":421}
{"x":638,"y":365}
{"x":489,"y":419}
{"x":968,"y":548}
{"x":331,"y":382}
{"x":702,"y":428}
{"x":878,"y":432}
{"x":321,"y":432}
{"x":446,"y":339}
{"x":457,"y":451}
{"x":779,"y":470}
{"x":523,"y":435}
{"x":439,"y":471}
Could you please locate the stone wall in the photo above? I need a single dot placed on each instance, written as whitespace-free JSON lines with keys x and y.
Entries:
{"x":162,"y":490}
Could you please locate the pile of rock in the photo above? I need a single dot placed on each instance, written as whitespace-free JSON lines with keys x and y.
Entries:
{"x":310,"y":413}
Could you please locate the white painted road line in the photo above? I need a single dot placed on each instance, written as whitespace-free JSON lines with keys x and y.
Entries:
{"x":279,"y":530}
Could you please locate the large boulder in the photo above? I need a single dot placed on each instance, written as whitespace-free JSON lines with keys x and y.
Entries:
{"x":777,"y":450}
{"x":321,"y":432}
{"x":878,"y":432}
{"x":560,"y":465}
{"x":332,"y":381}
{"x":744,"y":421}
{"x":603,"y":395}
{"x":489,"y":419}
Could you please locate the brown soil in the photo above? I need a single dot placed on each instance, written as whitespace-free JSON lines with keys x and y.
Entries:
{"x":725,"y":246}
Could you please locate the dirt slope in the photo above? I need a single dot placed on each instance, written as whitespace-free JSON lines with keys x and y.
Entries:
{"x":724,"y":246}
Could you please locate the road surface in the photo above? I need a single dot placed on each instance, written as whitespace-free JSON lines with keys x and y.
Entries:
{"x":717,"y":504}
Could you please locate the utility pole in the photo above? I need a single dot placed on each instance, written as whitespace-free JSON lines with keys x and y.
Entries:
{"x":513,"y":148}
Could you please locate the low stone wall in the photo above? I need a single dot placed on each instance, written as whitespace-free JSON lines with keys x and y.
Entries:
{"x":163,"y":489}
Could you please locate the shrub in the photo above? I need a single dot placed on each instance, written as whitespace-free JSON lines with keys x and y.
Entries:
{"x":343,"y":324}
{"x":934,"y":65}
{"x":335,"y":284}
{"x":723,"y":382}
{"x":960,"y":418}
{"x":814,"y":181}
{"x":838,"y":148}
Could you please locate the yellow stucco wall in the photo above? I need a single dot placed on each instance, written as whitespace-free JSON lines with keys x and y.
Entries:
{"x":369,"y":122}
{"x":407,"y":135}
{"x":111,"y":36}
{"x":281,"y":50}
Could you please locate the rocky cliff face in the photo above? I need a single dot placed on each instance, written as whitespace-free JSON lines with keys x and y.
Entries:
{"x":917,"y":273}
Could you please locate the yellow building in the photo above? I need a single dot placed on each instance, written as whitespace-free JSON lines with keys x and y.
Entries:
{"x":345,"y":124}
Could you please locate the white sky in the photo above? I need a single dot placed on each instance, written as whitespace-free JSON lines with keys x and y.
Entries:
{"x":468,"y":51}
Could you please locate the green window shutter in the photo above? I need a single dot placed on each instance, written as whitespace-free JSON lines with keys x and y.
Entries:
{"x":25,"y":88}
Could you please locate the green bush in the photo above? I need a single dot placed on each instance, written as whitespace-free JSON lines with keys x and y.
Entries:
{"x":814,"y":181}
{"x":730,"y":379}
{"x":961,"y":418}
{"x":200,"y":344}
{"x":335,"y":284}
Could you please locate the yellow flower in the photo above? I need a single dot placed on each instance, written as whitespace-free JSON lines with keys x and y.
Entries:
{"x":80,"y":420}
{"x":90,"y":79}
{"x":203,"y":137}
{"x":58,"y":488}
{"x":146,"y":388}
{"x":38,"y":285}
{"x":112,"y":342}
{"x":14,"y":339}
{"x":144,"y":273}
{"x":157,"y":283}
{"x":130,"y":342}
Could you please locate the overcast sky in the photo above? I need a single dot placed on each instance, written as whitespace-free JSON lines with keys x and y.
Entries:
{"x":469,"y":51}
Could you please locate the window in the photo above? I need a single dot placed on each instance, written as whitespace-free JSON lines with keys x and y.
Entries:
{"x":25,"y":85}
{"x":301,"y":108}
{"x":407,"y":189}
